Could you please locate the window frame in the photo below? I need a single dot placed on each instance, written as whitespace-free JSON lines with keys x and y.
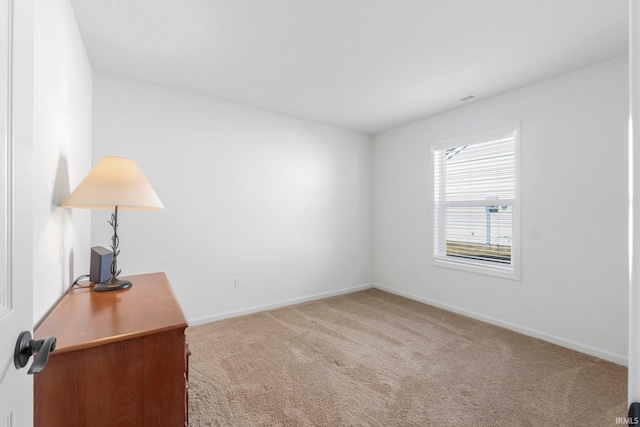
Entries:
{"x":509,"y":271}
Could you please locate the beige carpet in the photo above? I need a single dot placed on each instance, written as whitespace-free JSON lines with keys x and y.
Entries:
{"x":375,"y":359}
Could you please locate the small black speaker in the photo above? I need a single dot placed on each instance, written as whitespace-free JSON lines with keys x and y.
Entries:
{"x":100,"y":270}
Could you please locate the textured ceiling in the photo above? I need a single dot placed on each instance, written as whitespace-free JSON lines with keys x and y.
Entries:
{"x":367,"y":65}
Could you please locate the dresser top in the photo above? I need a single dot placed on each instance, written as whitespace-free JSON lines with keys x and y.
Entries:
{"x":85,"y":318}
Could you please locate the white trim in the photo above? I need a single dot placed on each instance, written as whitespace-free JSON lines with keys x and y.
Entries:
{"x":492,"y":135}
{"x":633,"y":297}
{"x":506,"y":271}
{"x":6,"y":215}
{"x":516,"y":261}
{"x":593,"y":351}
{"x":256,"y":309}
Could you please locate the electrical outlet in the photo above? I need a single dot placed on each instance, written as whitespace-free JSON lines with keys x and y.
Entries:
{"x":237,"y":282}
{"x":415,"y":273}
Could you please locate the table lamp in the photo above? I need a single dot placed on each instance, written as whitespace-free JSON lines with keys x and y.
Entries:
{"x":114,"y":183}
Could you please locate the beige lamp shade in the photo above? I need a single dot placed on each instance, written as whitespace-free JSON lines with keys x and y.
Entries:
{"x":114,"y":181}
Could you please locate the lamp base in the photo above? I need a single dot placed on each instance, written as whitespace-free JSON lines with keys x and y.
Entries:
{"x":112,"y":284}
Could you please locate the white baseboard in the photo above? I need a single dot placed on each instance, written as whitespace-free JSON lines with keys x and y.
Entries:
{"x":256,"y":309}
{"x":602,"y":354}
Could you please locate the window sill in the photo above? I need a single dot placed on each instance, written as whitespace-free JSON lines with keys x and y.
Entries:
{"x":477,"y":267}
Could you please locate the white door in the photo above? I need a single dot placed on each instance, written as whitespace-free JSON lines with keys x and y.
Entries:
{"x":16,"y":265}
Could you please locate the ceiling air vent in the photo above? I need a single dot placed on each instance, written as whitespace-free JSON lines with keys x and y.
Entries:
{"x":468,"y":97}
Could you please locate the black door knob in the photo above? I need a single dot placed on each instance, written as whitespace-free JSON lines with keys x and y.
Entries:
{"x":27,"y":347}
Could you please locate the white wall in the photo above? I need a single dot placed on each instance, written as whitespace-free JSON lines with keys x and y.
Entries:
{"x":283,"y":202}
{"x":62,"y":151}
{"x":573,"y":289}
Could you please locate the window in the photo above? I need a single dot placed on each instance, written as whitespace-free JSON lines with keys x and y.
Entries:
{"x":475,"y":203}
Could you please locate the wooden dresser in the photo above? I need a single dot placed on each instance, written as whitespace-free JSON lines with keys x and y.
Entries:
{"x":121,"y":358}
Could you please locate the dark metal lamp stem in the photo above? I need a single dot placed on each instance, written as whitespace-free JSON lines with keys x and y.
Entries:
{"x":114,"y":283}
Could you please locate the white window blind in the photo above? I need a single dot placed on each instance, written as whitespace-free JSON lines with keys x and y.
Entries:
{"x":474,"y":195}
